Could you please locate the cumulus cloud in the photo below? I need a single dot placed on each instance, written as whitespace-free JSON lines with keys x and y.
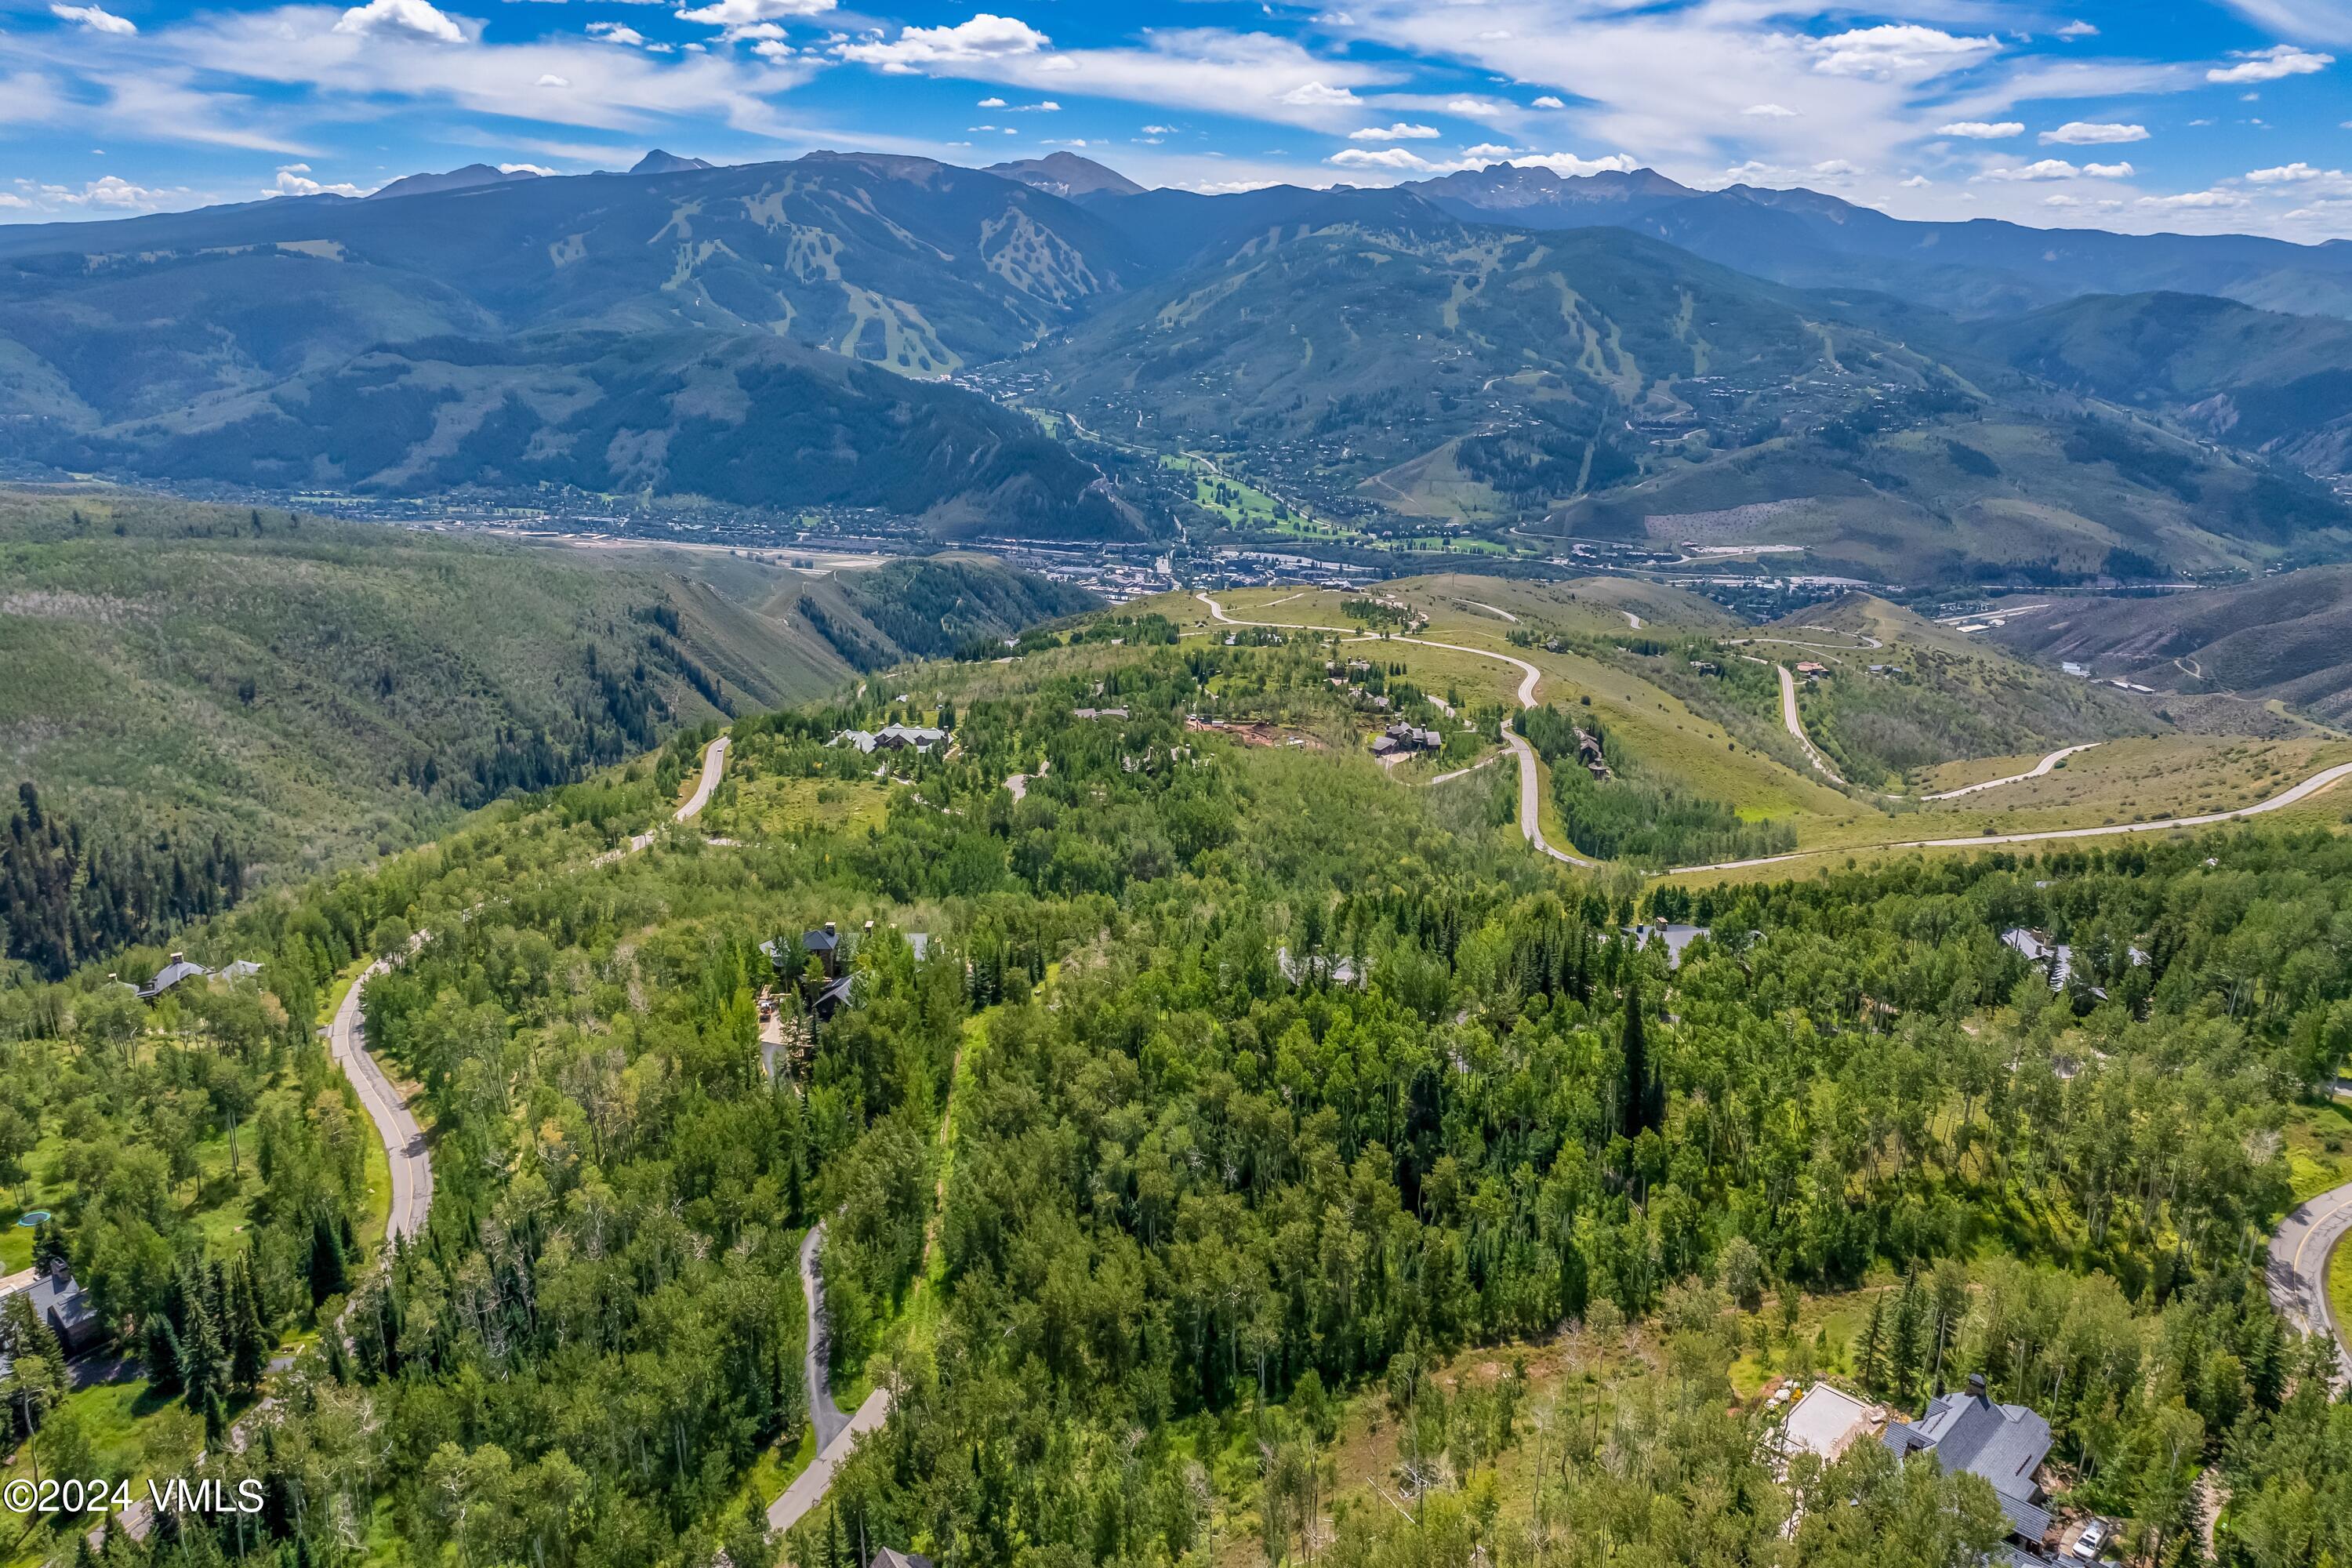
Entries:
{"x":616,"y":33}
{"x":2273,"y":64}
{"x":987,"y":36}
{"x":1043,"y":106}
{"x":2108,"y":170}
{"x":1548,"y":102}
{"x":548,"y":78}
{"x":539,"y":169}
{"x":1400,"y":131}
{"x":2078,"y":30}
{"x":2046,"y":169}
{"x":1316,"y":95}
{"x":1385,"y":158}
{"x":1769,"y":111}
{"x":1402,"y":161}
{"x":115,"y":194}
{"x":1569,"y":165}
{"x":95,"y":19}
{"x":1982,"y":130}
{"x":294,"y":180}
{"x":1896,"y":49}
{"x":744,"y":13}
{"x":2212,"y":199}
{"x":2088,"y":133}
{"x":2294,"y":174}
{"x":991,"y":103}
{"x":413,"y":19}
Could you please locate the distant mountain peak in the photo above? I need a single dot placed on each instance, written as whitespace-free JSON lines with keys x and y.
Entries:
{"x":463,"y":179}
{"x":1066,"y":174}
{"x":660,"y":162}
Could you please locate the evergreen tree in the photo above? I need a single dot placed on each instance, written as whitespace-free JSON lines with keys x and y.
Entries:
{"x":1644,"y":1094}
{"x":1909,"y":1338}
{"x":1869,"y":1349}
{"x":330,"y":1269}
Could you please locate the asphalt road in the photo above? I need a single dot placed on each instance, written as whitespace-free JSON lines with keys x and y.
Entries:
{"x":836,"y":1435}
{"x":404,"y":1142}
{"x":1530,"y":787}
{"x":2304,"y":790}
{"x":2298,"y":1268}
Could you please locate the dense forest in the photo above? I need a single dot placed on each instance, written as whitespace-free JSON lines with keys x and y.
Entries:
{"x":70,"y":895}
{"x":1240,"y":1101}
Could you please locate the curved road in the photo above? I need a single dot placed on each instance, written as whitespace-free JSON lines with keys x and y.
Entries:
{"x":404,"y":1141}
{"x":1529,"y":788}
{"x":1795,"y":726}
{"x":836,"y":1435}
{"x":2304,"y":790}
{"x":2298,"y":1268}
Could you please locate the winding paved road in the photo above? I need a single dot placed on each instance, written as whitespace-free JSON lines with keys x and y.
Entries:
{"x":2304,"y":790}
{"x":1796,"y":728}
{"x":836,"y":1435}
{"x":2298,"y":1268}
{"x":404,"y":1141}
{"x":714,"y":764}
{"x":1530,"y":789}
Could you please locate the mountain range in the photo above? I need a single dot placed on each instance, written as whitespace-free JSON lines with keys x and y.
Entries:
{"x":1611,"y":356}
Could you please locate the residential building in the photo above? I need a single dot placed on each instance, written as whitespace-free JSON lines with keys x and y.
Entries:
{"x":2005,"y":1444}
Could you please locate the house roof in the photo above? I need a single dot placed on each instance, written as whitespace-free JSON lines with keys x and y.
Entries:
{"x":170,"y":975}
{"x":891,"y":1557}
{"x":61,"y":1301}
{"x":819,"y":941}
{"x":2005,"y":1444}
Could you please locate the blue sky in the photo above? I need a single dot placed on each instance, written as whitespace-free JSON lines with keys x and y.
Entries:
{"x":2193,"y":115}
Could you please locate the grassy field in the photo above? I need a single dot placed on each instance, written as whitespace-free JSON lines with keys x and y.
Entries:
{"x":124,"y":1434}
{"x":2319,"y":1149}
{"x":2126,"y":778}
{"x":2339,"y":1285}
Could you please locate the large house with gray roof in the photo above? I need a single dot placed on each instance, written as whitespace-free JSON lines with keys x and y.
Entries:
{"x":2005,"y":1444}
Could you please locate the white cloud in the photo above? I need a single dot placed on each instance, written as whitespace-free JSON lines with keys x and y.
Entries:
{"x":115,"y":194}
{"x":1398,"y":160}
{"x":1395,"y":158}
{"x":1548,"y":102}
{"x":2109,"y":171}
{"x":1917,"y":183}
{"x":2078,"y":30}
{"x":2088,"y":133}
{"x":1043,"y":106}
{"x":1896,"y":49}
{"x":745,"y":13}
{"x":539,"y":169}
{"x":400,"y":19}
{"x":2213,"y":198}
{"x":991,"y":103}
{"x":1569,"y":165}
{"x":986,"y":36}
{"x":2273,"y":64}
{"x":1400,"y":131}
{"x":1769,"y":111}
{"x":294,"y":180}
{"x":1159,"y":131}
{"x":615,"y":33}
{"x":2294,"y":174}
{"x":95,"y":19}
{"x":1315,"y":95}
{"x":1982,"y":130}
{"x":2046,"y":169}
{"x":550,"y":79}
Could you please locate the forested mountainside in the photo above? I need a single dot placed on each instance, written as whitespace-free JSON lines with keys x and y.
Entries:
{"x":1012,"y":352}
{"x":1253,"y":1134}
{"x":203,"y":697}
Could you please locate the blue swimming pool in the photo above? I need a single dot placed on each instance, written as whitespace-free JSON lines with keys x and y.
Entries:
{"x":33,"y":1217}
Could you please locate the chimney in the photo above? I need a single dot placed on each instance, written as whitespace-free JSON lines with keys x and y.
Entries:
{"x":176,"y":957}
{"x":869,"y":928}
{"x":1976,"y":1386}
{"x":829,"y":928}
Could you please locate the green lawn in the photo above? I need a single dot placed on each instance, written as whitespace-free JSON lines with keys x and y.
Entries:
{"x":2319,"y":1149}
{"x":2339,"y":1285}
{"x":125,"y":1432}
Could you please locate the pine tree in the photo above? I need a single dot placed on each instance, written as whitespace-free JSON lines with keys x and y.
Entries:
{"x":330,"y":1269}
{"x":1645,"y":1099}
{"x":1870,"y":1351}
{"x":248,"y":1335}
{"x":1908,"y":1336}
{"x":203,"y":1365}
